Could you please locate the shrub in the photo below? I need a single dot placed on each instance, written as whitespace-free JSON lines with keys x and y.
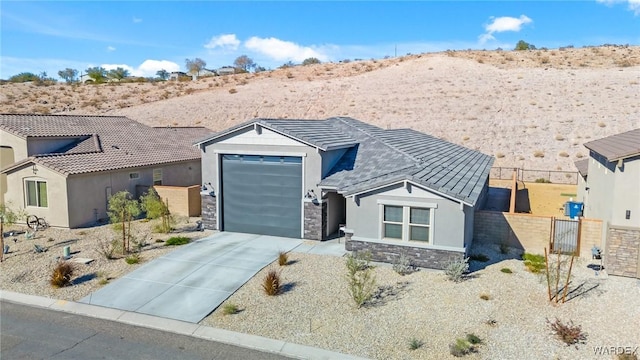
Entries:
{"x":177,"y":240}
{"x":62,"y":274}
{"x":485,"y":297}
{"x":132,"y":259}
{"x":479,"y":257}
{"x":108,"y":248}
{"x":627,"y":356}
{"x":271,"y":283}
{"x":232,"y":91}
{"x":415,"y":344}
{"x":473,"y":339}
{"x":460,"y":348}
{"x":230,"y":308}
{"x":569,"y":333}
{"x":543,"y":181}
{"x":456,"y":269}
{"x":534,"y":263}
{"x":402,"y":265}
{"x":283,"y":258}
{"x":538,"y":154}
{"x":360,"y":278}
{"x":506,"y":270}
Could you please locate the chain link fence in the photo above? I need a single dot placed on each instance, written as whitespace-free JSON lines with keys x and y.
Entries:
{"x":541,"y":176}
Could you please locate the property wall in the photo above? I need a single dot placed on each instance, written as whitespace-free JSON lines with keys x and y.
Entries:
{"x":183,"y":200}
{"x":529,"y":233}
{"x":622,"y":254}
{"x":88,"y":193}
{"x":448,"y":227}
{"x":626,"y":195}
{"x":56,"y":213}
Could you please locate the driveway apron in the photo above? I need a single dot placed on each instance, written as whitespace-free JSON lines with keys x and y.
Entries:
{"x":192,"y":281}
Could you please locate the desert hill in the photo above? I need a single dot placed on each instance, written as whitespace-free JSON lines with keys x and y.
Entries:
{"x":531,"y":109}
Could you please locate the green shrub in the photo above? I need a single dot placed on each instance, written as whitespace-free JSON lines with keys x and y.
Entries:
{"x":62,"y":274}
{"x":402,"y":265}
{"x":506,"y":270}
{"x":283,"y":258}
{"x":485,"y":296}
{"x":456,"y":269}
{"x":177,"y":240}
{"x":360,"y":278}
{"x":534,"y":263}
{"x":479,"y":257}
{"x":415,"y":344}
{"x":460,"y":348}
{"x":568,"y":333}
{"x":473,"y":339}
{"x":132,"y":259}
{"x":230,"y":308}
{"x":543,"y":181}
{"x":271,"y":283}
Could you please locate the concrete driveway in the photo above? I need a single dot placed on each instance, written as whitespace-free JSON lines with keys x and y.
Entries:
{"x":192,"y":281}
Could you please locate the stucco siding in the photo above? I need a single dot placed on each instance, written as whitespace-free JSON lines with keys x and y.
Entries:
{"x":19,"y":145}
{"x":447,"y":229}
{"x":601,"y":182}
{"x":56,"y":212}
{"x":626,"y":193}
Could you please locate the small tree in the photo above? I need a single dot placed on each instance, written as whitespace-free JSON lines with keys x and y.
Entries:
{"x":97,"y":73}
{"x":243,"y":63}
{"x":122,"y":209}
{"x":523,"y":45}
{"x":311,"y":61}
{"x":24,"y":77}
{"x":156,"y":208}
{"x":118,"y":73}
{"x":162,"y":74}
{"x":69,"y":75}
{"x":195,"y":66}
{"x":8,"y":217}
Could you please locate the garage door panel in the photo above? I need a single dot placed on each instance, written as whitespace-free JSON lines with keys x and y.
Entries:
{"x":262,"y":194}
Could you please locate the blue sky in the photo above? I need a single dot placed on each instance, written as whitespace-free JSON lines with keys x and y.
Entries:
{"x":145,"y":36}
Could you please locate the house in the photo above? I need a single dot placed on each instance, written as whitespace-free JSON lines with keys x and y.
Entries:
{"x":390,"y":191}
{"x":609,"y":187}
{"x":611,"y":178}
{"x":176,"y":75}
{"x":226,"y":70}
{"x":65,"y":167}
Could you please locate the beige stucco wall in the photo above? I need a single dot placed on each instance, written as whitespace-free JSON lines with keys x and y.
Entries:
{"x":448,"y":227}
{"x":19,"y":145}
{"x":182,"y":200}
{"x":56,"y":213}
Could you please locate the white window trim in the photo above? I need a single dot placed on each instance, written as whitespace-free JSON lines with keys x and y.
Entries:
{"x":154,"y":173}
{"x":406,"y":225}
{"x":384,"y":222}
{"x":26,"y":193}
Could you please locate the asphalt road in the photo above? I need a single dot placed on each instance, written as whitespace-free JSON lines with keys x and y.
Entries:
{"x":35,"y":333}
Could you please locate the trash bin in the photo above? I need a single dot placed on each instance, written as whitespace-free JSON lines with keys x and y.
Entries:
{"x":573,"y":209}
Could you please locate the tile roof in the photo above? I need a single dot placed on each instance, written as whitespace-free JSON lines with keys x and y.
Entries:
{"x":386,"y":156}
{"x":102,"y":143}
{"x":619,"y":146}
{"x":582,"y":166}
{"x":318,"y":134}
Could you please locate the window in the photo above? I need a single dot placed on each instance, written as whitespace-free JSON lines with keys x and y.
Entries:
{"x":157,"y":176}
{"x":36,"y":193}
{"x":406,"y":223}
{"x":134,"y":175}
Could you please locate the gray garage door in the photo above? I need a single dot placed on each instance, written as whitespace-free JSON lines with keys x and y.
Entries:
{"x":262,"y":194}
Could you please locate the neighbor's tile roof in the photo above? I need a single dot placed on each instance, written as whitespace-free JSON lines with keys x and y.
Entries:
{"x":582,"y":166}
{"x":319,"y":134}
{"x":387,"y":156}
{"x":102,"y":143}
{"x":619,"y":146}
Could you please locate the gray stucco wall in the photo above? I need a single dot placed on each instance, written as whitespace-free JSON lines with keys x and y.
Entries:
{"x":449,"y":228}
{"x":600,"y":181}
{"x":627,"y":193}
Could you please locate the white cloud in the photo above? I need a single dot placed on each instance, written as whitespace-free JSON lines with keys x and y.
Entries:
{"x":502,"y":24}
{"x":281,"y":50}
{"x":147,"y":68}
{"x":136,"y":20}
{"x":111,"y":48}
{"x":224,"y":41}
{"x":633,"y":5}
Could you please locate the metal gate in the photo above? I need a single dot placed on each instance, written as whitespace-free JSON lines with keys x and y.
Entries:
{"x":565,"y":236}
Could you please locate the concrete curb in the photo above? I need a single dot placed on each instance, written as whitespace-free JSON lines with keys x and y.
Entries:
{"x":179,"y":327}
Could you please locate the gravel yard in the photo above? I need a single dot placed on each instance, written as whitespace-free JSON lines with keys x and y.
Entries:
{"x":315,"y":309}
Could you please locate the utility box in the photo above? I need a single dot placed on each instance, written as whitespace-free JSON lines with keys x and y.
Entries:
{"x":573,"y":209}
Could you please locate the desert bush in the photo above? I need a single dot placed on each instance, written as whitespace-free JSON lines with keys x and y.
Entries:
{"x":62,"y":274}
{"x":543,"y":181}
{"x":402,"y":265}
{"x":627,"y":356}
{"x":601,"y":124}
{"x":132,"y":259}
{"x":360,"y":278}
{"x":456,"y":269}
{"x":271,"y":283}
{"x":230,"y":308}
{"x":568,"y":333}
{"x":415,"y":344}
{"x":232,"y":91}
{"x":559,"y":137}
{"x":108,"y":248}
{"x":479,"y":257}
{"x":485,"y":296}
{"x":534,"y":263}
{"x":177,"y":240}
{"x":460,"y":348}
{"x":473,"y":339}
{"x":283,"y":258}
{"x":506,"y":271}
{"x":499,"y":155}
{"x":538,"y":154}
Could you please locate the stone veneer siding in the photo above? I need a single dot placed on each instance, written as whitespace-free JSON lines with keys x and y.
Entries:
{"x":622,"y":255}
{"x":209,"y":219}
{"x":315,"y":220}
{"x":422,"y":257}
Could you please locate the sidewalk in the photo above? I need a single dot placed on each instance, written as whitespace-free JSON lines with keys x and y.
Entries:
{"x":178,"y":327}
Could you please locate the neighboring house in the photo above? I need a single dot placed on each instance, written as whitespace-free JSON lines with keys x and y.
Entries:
{"x":390,"y":191}
{"x":64,"y":167}
{"x":176,"y":75}
{"x":207,"y":72}
{"x":226,"y":70}
{"x":610,"y":179}
{"x":85,"y":78}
